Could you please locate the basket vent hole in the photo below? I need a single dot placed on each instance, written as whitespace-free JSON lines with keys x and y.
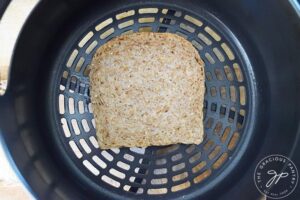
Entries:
{"x":137,"y":180}
{"x":213,"y":107}
{"x":90,"y":107}
{"x":215,"y":152}
{"x":166,"y":150}
{"x":162,"y":161}
{"x":71,"y":106}
{"x":181,"y":186}
{"x":223,"y":92}
{"x":240,"y":119}
{"x":75,"y":149}
{"x":179,"y":177}
{"x":162,"y":29}
{"x":128,"y":157}
{"x":212,"y":33}
{"x":231,"y":115}
{"x":204,"y":39}
{"x":218,"y":128}
{"x":132,"y":189}
{"x":73,"y":84}
{"x":205,"y":105}
{"x":238,"y":72}
{"x":115,"y":150}
{"x":144,"y":161}
{"x":220,"y":161}
{"x":195,"y":157}
{"x":62,"y":85}
{"x":209,"y":144}
{"x":242,"y":95}
{"x":104,"y":24}
{"x":65,"y":74}
{"x":117,"y":173}
{"x":141,"y":171}
{"x":198,"y":46}
{"x":107,"y":155}
{"x":123,"y":165}
{"x":176,"y":157}
{"x":166,"y":20}
{"x":125,"y":14}
{"x":148,"y":10}
{"x":160,"y":171}
{"x":222,"y":110}
{"x":146,"y":20}
{"x":79,"y":64}
{"x":159,"y":181}
{"x":65,"y":127}
{"x":209,"y":123}
{"x":107,"y":33}
{"x":85,"y":146}
{"x":91,"y":167}
{"x":75,"y":126}
{"x":61,"y":101}
{"x":87,"y":71}
{"x":182,"y":34}
{"x":80,"y":107}
{"x":228,"y":73}
{"x":209,"y":58}
{"x":145,"y":29}
{"x":219,"y":55}
{"x":233,"y":141}
{"x":225,"y":134}
{"x":228,"y":51}
{"x":202,"y":176}
{"x":171,"y":12}
{"x":208,"y":76}
{"x":187,"y":27}
{"x":94,"y":142}
{"x":218,"y":74}
{"x":138,"y":150}
{"x":127,"y":32}
{"x":85,"y":125}
{"x":193,"y":20}
{"x":213,"y":91}
{"x":85,"y":39}
{"x":126,"y":24}
{"x":72,"y":58}
{"x":190,"y":148}
{"x":178,"y":167}
{"x":139,"y":190}
{"x":110,"y":181}
{"x":99,"y":162}
{"x":81,"y":88}
{"x":91,"y":47}
{"x":199,"y":166}
{"x":157,"y":191}
{"x":94,"y":123}
{"x":232,"y":91}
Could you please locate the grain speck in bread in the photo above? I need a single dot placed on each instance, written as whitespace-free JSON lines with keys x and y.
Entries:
{"x":147,"y":89}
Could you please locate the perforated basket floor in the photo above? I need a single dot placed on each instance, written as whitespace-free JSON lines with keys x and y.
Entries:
{"x":170,"y":170}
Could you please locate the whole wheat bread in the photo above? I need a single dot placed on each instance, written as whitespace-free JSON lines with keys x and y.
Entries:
{"x":147,"y":89}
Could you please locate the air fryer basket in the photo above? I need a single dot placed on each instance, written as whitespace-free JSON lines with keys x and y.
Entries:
{"x":251,"y":103}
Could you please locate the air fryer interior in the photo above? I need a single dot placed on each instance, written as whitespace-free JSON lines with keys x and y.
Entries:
{"x":154,"y":170}
{"x":248,"y":77}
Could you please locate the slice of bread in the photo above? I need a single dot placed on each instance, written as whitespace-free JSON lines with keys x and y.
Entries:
{"x":147,"y":89}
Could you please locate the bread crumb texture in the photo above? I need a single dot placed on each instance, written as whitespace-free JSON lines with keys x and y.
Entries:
{"x":147,"y":89}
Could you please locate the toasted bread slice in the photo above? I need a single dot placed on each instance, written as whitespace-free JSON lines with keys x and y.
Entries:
{"x":147,"y":89}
